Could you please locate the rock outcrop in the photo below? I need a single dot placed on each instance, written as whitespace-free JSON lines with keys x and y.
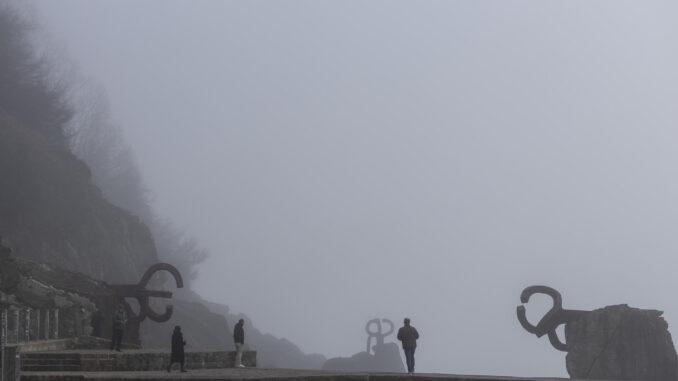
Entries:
{"x":386,"y":358}
{"x":272,"y":352}
{"x":26,"y":284}
{"x":622,"y":343}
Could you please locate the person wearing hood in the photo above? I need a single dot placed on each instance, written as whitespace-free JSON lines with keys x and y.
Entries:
{"x":178,"y":344}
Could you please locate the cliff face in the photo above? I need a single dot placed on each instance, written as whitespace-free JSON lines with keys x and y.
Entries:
{"x":50,"y":211}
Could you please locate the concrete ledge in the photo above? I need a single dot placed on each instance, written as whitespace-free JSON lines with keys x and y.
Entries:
{"x":81,"y":342}
{"x":46,"y":345}
{"x":135,"y":360}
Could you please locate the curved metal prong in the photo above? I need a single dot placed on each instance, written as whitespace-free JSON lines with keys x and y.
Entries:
{"x":131,"y":316}
{"x":371,"y":334}
{"x":551,"y":320}
{"x":390,"y":331}
{"x":520,"y":310}
{"x":555,"y":295}
{"x":160,"y":318}
{"x":555,"y":341}
{"x":159,"y":267}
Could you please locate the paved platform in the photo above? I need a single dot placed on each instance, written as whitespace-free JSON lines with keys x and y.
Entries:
{"x":260,"y":374}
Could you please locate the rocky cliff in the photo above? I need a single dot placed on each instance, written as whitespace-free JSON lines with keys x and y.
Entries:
{"x":50,"y":210}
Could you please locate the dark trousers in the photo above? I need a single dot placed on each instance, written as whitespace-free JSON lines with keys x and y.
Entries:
{"x":117,"y":339}
{"x":409,"y":359}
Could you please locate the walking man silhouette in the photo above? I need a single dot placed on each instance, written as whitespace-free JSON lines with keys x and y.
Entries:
{"x":408,"y":335}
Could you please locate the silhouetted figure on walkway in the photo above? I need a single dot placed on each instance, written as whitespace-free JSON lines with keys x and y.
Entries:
{"x":97,"y":322}
{"x":178,"y":344}
{"x":239,"y":339}
{"x":119,"y":321}
{"x":408,"y":335}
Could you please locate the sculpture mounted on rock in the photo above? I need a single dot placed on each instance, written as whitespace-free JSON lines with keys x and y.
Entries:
{"x":382,"y":357}
{"x":614,"y":342}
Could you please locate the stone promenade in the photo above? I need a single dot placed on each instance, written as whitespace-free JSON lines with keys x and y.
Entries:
{"x":258,"y":374}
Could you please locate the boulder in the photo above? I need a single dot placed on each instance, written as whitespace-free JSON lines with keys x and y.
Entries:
{"x":621,"y":342}
{"x":386,"y":358}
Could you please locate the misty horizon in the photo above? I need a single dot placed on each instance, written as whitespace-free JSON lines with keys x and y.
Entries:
{"x":344,"y":161}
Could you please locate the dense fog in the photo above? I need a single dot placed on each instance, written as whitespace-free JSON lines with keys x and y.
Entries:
{"x":345,"y":160}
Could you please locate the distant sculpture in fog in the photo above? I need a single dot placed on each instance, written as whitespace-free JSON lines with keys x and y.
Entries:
{"x":378,"y":357}
{"x":177,"y":354}
{"x":377,"y":334}
{"x":408,"y":335}
{"x":119,"y":321}
{"x":239,"y":339}
{"x":142,"y":295}
{"x":615,"y":342}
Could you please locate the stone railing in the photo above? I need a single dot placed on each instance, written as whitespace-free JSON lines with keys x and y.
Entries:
{"x":23,"y":325}
{"x":20,"y":325}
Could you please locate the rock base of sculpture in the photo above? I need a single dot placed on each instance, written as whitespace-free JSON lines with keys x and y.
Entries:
{"x":386,"y":358}
{"x":620,"y":342}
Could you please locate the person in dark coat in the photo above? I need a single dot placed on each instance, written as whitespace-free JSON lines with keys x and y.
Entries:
{"x":119,"y":321}
{"x":239,"y":339}
{"x":408,"y":335}
{"x":178,"y":344}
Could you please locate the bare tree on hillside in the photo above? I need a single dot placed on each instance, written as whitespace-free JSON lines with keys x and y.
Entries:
{"x":99,"y":141}
{"x":28,"y":91}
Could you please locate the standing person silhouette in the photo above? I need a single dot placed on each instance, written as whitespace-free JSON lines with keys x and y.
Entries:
{"x":119,"y":321}
{"x":178,"y":344}
{"x":408,"y":335}
{"x":239,"y":339}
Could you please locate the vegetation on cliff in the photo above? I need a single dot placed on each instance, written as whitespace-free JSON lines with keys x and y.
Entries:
{"x":72,"y":195}
{"x":50,"y":210}
{"x":95,"y":216}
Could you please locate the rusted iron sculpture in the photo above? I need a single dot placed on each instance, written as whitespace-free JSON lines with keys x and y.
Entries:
{"x":554,"y":318}
{"x":378,"y":335}
{"x":614,"y":342}
{"x":141,"y":294}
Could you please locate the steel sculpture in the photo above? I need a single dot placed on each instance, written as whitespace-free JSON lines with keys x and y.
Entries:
{"x":554,"y":318}
{"x":378,"y":335}
{"x":142,"y":295}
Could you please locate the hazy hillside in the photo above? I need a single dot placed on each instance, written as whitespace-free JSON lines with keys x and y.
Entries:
{"x":71,"y":195}
{"x":50,"y":210}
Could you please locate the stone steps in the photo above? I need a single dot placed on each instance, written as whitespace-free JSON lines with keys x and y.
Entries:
{"x":50,"y":368}
{"x":56,"y":362}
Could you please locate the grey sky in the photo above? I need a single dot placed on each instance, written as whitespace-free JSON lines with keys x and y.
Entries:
{"x":346,"y":160}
